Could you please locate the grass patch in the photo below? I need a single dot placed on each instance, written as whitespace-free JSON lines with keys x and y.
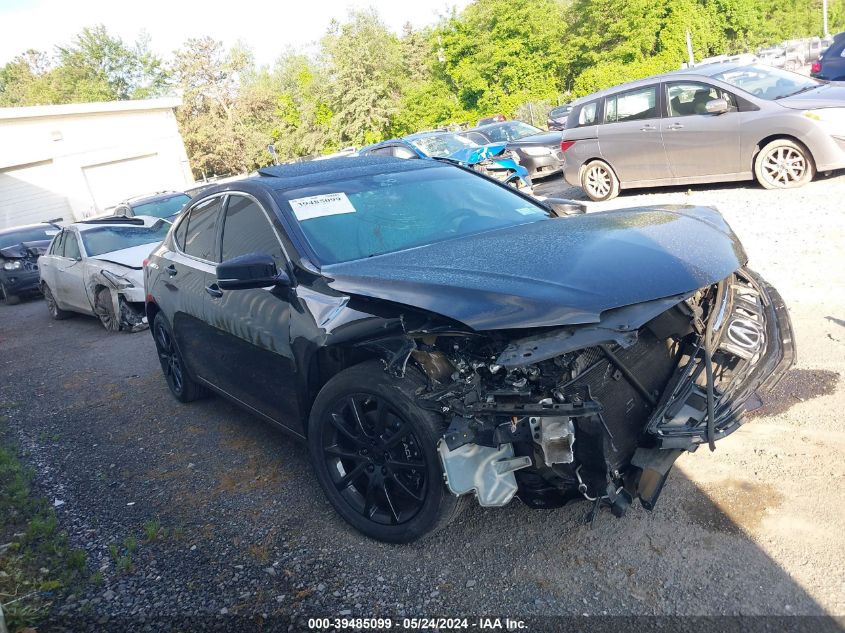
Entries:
{"x":37,"y":561}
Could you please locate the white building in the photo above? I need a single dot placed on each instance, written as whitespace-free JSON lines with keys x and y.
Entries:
{"x":77,"y":160}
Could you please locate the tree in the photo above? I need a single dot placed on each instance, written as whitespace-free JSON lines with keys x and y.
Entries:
{"x":363,"y":68}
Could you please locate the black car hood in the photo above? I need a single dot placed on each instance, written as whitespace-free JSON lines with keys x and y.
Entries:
{"x":25,"y":249}
{"x":553,"y":272}
{"x":547,"y":138}
{"x":829,"y":95}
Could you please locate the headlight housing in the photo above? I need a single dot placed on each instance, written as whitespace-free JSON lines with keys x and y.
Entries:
{"x":536,"y":151}
{"x":117,"y":281}
{"x":15,"y":264}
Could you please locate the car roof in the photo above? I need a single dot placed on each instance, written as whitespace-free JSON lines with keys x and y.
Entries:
{"x":497,"y":124}
{"x":705,"y":71}
{"x":146,"y":222}
{"x":298,"y":175}
{"x":153,"y":197}
{"x":24,"y":227}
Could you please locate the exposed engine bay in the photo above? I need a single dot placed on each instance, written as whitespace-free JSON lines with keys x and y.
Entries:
{"x":601,"y":411}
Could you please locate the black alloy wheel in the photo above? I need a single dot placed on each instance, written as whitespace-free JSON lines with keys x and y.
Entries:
{"x":182,"y":386}
{"x":374,"y":459}
{"x":374,"y":451}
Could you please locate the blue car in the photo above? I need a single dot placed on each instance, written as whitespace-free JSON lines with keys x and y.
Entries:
{"x":494,"y":159}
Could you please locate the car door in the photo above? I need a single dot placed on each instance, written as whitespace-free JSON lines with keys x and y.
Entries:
{"x":629,"y":138}
{"x":189,"y":270}
{"x":47,"y":262}
{"x":250,"y":335}
{"x":699,"y":144}
{"x":69,"y":290}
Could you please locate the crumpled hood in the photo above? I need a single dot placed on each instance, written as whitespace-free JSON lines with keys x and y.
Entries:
{"x":830,"y":95}
{"x":473,"y":155}
{"x":553,"y":272}
{"x":19,"y":251}
{"x":130,"y":257}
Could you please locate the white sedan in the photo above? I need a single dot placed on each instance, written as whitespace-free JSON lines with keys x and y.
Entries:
{"x":96,"y":267}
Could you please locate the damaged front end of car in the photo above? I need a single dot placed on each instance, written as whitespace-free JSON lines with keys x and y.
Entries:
{"x":117,"y":298}
{"x":600,"y":411}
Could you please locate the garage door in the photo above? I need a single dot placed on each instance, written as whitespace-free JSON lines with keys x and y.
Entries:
{"x":27,"y":195}
{"x":110,"y":183}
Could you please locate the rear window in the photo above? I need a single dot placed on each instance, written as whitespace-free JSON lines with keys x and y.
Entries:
{"x":587,"y":114}
{"x":162,"y":208}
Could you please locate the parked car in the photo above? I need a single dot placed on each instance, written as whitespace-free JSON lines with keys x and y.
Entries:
{"x":831,"y":64}
{"x":557,"y":117}
{"x":780,"y":57}
{"x":94,"y":267}
{"x":493,"y":160}
{"x":163,"y":204}
{"x":433,"y":335}
{"x":491,"y":119}
{"x":538,"y":151}
{"x":20,"y":248}
{"x":714,"y":123}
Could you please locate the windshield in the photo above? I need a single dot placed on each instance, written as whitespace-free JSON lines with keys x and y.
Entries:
{"x":105,"y":239}
{"x":512,"y":131}
{"x":34,"y":234}
{"x":162,"y":208}
{"x":442,"y":145}
{"x":766,"y":82}
{"x":384,"y":213}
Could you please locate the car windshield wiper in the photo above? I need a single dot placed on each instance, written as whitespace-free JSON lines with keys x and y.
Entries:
{"x":798,"y":92}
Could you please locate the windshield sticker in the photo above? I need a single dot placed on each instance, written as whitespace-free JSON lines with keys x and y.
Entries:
{"x":321,"y":206}
{"x":530,"y":211}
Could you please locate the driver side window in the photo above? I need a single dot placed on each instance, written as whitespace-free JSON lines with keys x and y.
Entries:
{"x":691,"y":98}
{"x":246,"y":229}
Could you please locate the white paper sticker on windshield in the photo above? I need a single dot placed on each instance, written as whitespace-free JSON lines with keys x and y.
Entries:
{"x":321,"y":206}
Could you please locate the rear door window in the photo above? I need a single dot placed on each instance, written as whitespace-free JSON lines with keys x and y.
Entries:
{"x":200,"y":238}
{"x":58,"y":246}
{"x":634,"y":105}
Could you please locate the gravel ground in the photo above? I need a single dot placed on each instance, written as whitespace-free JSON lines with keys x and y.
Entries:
{"x":753,"y":529}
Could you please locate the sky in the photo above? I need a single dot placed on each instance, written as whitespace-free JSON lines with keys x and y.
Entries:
{"x":268,"y":28}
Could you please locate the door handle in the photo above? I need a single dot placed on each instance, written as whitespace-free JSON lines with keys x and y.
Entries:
{"x":675,"y":126}
{"x":214,"y":291}
{"x":171,"y":270}
{"x":648,"y":128}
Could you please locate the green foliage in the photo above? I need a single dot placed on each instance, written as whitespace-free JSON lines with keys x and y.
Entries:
{"x":151,"y":529}
{"x":366,"y":83}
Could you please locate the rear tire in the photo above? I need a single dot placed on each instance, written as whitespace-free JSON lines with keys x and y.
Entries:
{"x":784,"y":164}
{"x":52,"y":307}
{"x":181,"y":385}
{"x":374,"y":452}
{"x":599,"y":181}
{"x":10,"y":299}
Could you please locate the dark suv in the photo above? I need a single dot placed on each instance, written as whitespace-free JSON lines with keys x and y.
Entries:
{"x":437,"y":336}
{"x":831,"y":64}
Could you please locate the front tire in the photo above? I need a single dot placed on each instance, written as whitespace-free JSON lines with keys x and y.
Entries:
{"x":104,"y":309}
{"x":181,"y":385}
{"x":599,"y":181}
{"x":784,"y":164}
{"x":375,"y":456}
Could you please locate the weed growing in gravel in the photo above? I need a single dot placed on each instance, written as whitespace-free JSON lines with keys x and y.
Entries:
{"x":37,"y":563}
{"x":97,"y":578}
{"x":151,"y":529}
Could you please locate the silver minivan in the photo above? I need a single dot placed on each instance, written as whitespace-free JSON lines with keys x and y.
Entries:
{"x":715,"y":123}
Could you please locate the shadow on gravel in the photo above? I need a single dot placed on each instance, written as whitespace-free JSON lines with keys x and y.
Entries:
{"x":202,"y":509}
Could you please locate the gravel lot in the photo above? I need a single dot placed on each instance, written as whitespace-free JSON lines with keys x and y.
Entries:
{"x":755,"y":528}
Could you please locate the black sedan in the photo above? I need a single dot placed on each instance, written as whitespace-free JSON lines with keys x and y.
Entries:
{"x":538,"y":151}
{"x":20,"y":248}
{"x":437,"y":337}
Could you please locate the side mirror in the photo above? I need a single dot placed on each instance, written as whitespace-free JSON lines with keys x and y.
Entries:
{"x":253,"y":270}
{"x":716,"y":106}
{"x":562,"y":206}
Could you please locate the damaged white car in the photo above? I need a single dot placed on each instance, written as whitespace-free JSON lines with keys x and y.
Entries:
{"x":96,"y":267}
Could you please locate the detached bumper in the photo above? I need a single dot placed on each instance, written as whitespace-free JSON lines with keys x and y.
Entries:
{"x":754,"y":326}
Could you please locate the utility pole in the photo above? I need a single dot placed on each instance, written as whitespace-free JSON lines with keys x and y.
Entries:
{"x":824,"y":18}
{"x":689,"y":49}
